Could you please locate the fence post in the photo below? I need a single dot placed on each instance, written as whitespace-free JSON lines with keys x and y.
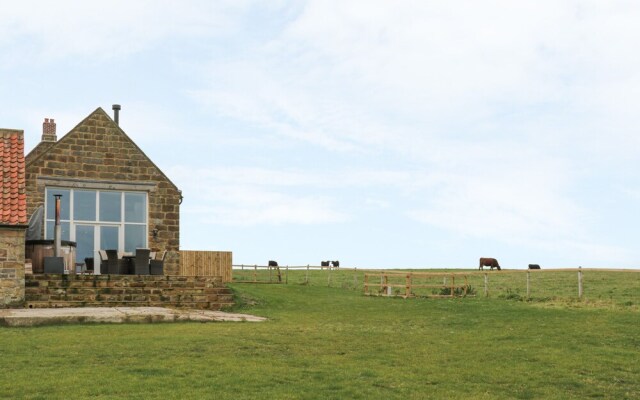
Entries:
{"x":386,"y":284}
{"x":366,"y":283}
{"x":453,"y":284}
{"x":579,"y":282}
{"x":407,"y":291}
{"x":486,"y":285}
{"x":286,"y":277}
{"x":528,"y":284}
{"x":329,"y":278}
{"x":270,"y":269}
{"x":255,"y":272}
{"x":306,"y":276}
{"x":355,"y":279}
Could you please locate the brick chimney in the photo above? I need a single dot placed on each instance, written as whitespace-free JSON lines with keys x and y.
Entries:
{"x":49,"y":130}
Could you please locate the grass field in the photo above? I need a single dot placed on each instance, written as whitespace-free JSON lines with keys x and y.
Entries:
{"x":620,"y":289}
{"x":334,"y":343}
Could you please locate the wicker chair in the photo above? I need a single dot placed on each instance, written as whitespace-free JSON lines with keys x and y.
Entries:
{"x":156,"y":267}
{"x":88,"y":265}
{"x":115,"y":265}
{"x":141,"y":262}
{"x":104,"y":264}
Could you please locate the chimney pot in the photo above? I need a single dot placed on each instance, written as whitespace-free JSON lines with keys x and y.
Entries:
{"x":49,"y":130}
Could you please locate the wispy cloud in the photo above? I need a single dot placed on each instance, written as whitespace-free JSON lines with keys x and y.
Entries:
{"x":48,"y":32}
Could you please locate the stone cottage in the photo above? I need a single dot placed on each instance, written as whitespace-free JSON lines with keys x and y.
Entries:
{"x":13,"y":217}
{"x":113,"y":195}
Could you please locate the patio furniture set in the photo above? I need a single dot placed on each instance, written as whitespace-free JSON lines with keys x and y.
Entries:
{"x":143,"y":262}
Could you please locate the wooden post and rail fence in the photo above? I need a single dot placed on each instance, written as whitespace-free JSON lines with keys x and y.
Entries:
{"x":405,"y":284}
{"x":382,"y":282}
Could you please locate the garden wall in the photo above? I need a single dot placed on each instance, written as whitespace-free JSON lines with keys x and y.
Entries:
{"x":53,"y":290}
{"x":11,"y":266}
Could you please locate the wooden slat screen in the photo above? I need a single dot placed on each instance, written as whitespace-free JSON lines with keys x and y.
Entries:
{"x":206,"y":263}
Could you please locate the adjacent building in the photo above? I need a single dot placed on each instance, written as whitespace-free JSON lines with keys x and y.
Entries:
{"x":13,"y":217}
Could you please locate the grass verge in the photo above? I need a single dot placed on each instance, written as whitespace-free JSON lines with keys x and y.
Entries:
{"x":329,"y":343}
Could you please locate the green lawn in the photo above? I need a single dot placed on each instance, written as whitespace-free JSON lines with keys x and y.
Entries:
{"x":334,"y":343}
{"x":619,"y":289}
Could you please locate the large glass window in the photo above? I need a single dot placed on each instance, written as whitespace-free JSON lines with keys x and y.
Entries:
{"x":99,"y":219}
{"x":64,"y":203}
{"x":109,"y":237}
{"x":134,"y":237}
{"x":85,"y":240}
{"x":65,"y":228}
{"x":135,"y":209}
{"x":110,"y":208}
{"x":84,"y":205}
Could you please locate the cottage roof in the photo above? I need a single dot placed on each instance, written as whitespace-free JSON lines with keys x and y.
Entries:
{"x":13,"y":199}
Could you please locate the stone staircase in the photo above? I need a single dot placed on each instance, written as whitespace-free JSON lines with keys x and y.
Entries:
{"x":196,"y":292}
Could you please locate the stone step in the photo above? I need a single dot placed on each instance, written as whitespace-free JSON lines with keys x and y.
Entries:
{"x":202,"y":305}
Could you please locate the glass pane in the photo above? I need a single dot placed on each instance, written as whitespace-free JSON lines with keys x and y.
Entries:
{"x":134,"y":237}
{"x":84,"y":205}
{"x":49,"y":230}
{"x":135,"y":209}
{"x":64,"y":203}
{"x":84,"y":242}
{"x":110,"y":206}
{"x":108,"y":238}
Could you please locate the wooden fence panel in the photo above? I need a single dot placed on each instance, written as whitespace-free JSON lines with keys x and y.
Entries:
{"x":206,"y":263}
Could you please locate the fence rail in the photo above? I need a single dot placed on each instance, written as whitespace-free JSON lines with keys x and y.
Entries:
{"x":608,"y":285}
{"x":206,"y":263}
{"x":409,"y":284}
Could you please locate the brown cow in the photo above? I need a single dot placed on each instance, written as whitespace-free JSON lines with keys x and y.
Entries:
{"x":489,"y":262}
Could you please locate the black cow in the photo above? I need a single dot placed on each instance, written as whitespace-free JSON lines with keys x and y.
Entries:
{"x":324,"y":263}
{"x":273,"y":263}
{"x":489,"y":262}
{"x":336,"y":264}
{"x":534,"y":266}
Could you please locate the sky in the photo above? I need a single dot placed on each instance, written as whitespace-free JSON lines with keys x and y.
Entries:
{"x":383,"y":134}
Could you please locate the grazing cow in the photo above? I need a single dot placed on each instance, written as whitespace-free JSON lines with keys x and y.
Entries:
{"x":324,"y":263}
{"x":534,"y":266}
{"x":489,"y":262}
{"x":336,"y":264}
{"x":273,"y":263}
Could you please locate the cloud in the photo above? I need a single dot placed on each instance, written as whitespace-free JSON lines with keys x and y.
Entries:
{"x":47,"y":32}
{"x":254,"y":196}
{"x":250,"y":196}
{"x":242,"y":205}
{"x":356,"y":78}
{"x":321,"y":178}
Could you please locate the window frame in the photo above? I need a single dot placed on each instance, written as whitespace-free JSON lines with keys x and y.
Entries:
{"x":72,"y":222}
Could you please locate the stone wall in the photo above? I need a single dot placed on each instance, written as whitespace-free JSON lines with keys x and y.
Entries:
{"x":52,"y":290}
{"x":11,"y":266}
{"x":97,"y":154}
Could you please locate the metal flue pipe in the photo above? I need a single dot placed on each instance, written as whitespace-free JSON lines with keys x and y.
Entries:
{"x":57,"y":233}
{"x":116,"y":113}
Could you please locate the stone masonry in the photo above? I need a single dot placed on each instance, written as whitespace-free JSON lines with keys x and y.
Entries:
{"x":98,"y":154}
{"x":11,"y":266}
{"x":198,"y":292}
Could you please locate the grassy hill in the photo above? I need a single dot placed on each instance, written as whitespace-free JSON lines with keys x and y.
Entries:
{"x":334,"y":343}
